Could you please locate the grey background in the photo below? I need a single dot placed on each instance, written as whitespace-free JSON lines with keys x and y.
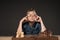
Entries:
{"x":11,"y":11}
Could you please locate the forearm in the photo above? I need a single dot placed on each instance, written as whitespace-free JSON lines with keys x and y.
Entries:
{"x":20,"y":25}
{"x":43,"y":28}
{"x":19,"y":30}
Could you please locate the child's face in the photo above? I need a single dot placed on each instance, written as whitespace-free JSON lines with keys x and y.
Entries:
{"x":32,"y":16}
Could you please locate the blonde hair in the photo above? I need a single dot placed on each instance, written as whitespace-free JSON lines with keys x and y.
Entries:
{"x":29,"y":10}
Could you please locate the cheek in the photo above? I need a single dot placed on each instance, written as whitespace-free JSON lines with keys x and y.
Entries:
{"x":34,"y":17}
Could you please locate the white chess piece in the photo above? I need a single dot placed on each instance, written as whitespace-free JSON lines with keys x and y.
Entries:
{"x":22,"y":34}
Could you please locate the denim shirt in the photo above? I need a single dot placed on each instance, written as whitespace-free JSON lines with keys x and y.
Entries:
{"x":28,"y":30}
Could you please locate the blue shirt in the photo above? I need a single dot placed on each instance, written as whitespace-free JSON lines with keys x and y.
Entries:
{"x":28,"y":30}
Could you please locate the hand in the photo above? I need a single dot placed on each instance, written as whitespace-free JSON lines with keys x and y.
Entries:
{"x":38,"y":19}
{"x":24,"y":18}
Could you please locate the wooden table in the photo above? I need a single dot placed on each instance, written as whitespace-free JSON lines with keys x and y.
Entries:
{"x":36,"y":38}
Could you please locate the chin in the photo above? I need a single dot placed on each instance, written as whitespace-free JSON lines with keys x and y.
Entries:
{"x":31,"y":21}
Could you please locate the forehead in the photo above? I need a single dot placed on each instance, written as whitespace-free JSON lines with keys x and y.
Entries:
{"x":31,"y":13}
